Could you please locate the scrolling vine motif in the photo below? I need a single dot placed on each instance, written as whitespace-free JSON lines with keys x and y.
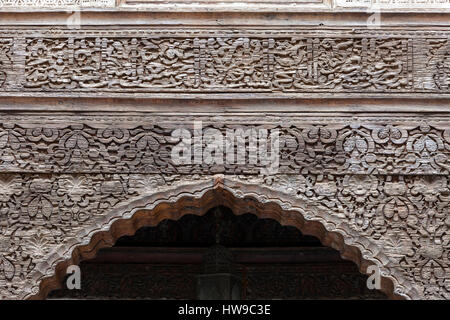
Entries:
{"x":294,"y":62}
{"x":338,"y":147}
{"x":380,"y":180}
{"x":6,"y":53}
{"x":213,"y":63}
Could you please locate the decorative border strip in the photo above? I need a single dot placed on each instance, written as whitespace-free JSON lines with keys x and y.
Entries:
{"x":58,"y":3}
{"x":230,"y":5}
{"x":130,"y":144}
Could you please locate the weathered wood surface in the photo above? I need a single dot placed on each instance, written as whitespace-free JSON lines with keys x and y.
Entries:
{"x":382,"y":184}
{"x":232,"y":5}
{"x":86,"y":123}
{"x":352,"y":61}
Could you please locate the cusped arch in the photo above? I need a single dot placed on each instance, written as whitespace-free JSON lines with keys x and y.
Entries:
{"x":242,"y":197}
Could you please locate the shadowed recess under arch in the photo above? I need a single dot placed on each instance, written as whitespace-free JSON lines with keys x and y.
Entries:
{"x":198,"y":198}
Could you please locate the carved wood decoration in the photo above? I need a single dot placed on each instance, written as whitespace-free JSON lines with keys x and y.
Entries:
{"x":382,"y":186}
{"x":301,"y":61}
{"x":56,"y":3}
{"x":85,"y":136}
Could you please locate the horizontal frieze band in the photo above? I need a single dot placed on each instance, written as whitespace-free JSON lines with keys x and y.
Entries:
{"x":227,"y":63}
{"x":58,"y":3}
{"x":246,"y":145}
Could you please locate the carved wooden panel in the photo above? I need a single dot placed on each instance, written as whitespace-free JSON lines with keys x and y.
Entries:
{"x":382,"y":183}
{"x":173,"y":60}
{"x":382,"y":145}
{"x":75,"y":177}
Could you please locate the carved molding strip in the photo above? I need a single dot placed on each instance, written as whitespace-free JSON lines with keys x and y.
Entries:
{"x":56,"y":3}
{"x":394,"y":4}
{"x":355,"y":62}
{"x":231,"y":5}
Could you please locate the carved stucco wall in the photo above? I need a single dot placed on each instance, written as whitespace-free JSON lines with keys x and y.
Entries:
{"x":85,"y":139}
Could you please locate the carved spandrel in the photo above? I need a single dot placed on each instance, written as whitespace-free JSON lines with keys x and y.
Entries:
{"x":387,"y":183}
{"x":405,"y":217}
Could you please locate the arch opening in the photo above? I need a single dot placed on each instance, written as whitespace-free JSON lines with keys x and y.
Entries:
{"x":240,"y":198}
{"x":268,"y":261}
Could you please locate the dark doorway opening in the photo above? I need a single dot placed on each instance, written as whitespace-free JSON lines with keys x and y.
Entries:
{"x":266,"y":260}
